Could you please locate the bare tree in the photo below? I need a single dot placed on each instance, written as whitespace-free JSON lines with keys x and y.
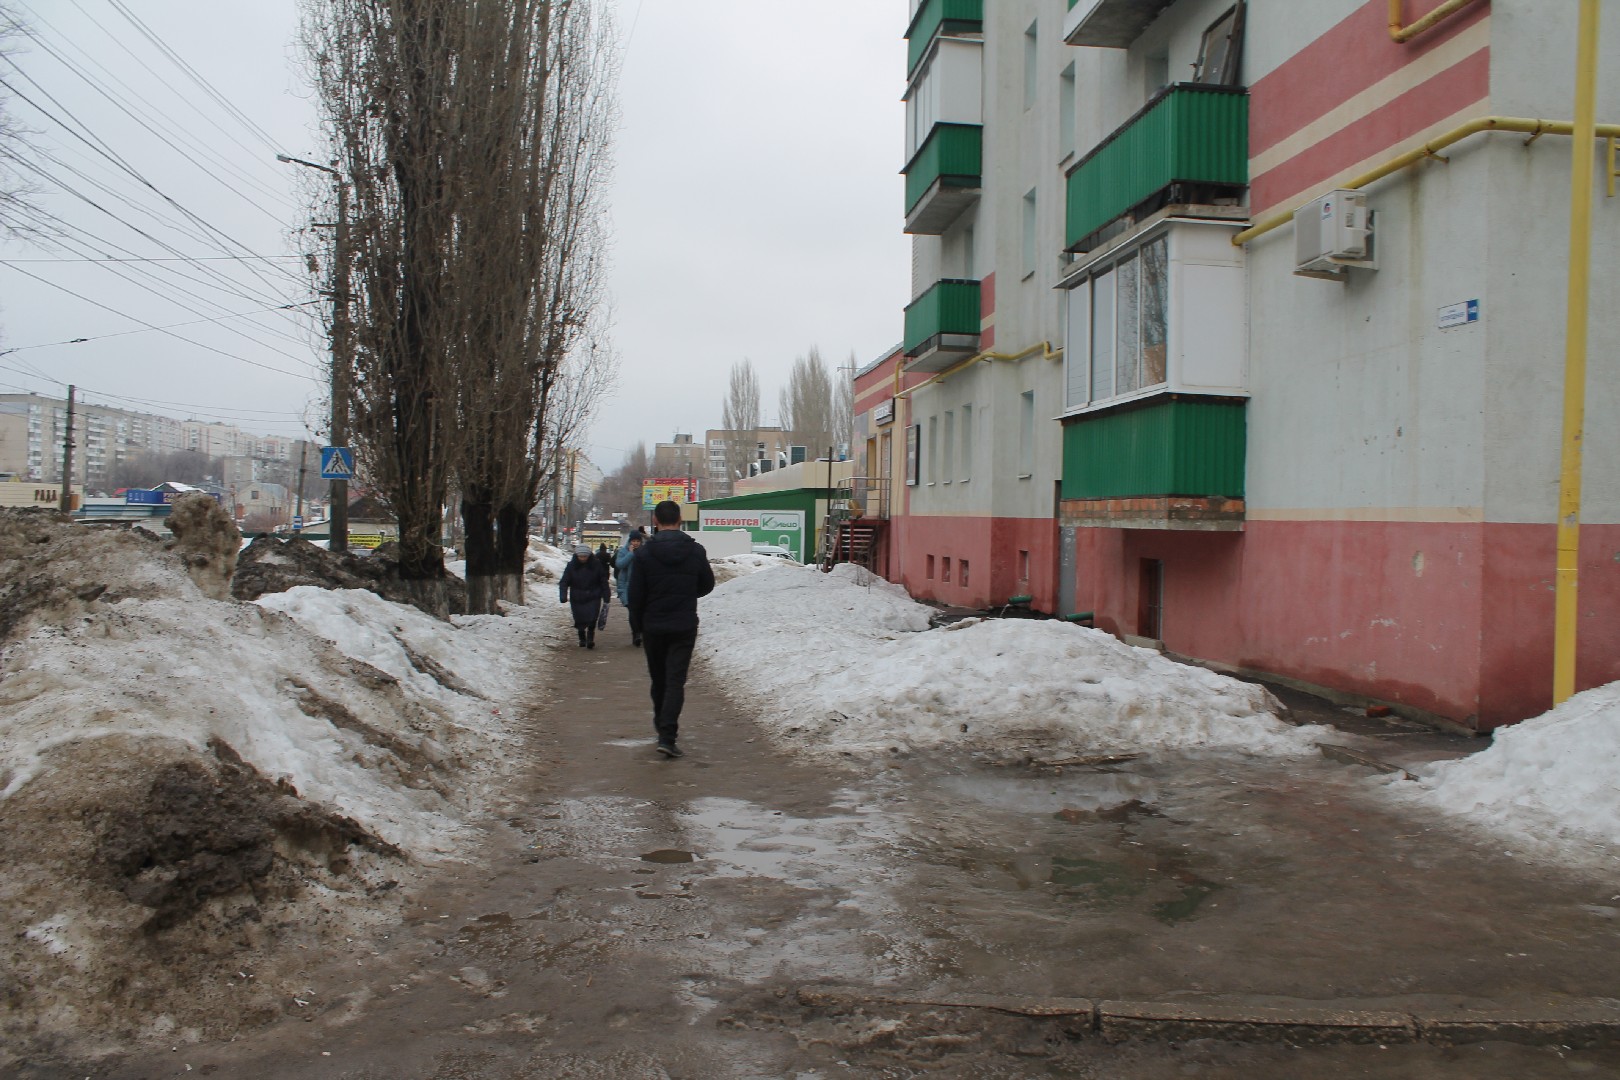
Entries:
{"x":843,"y":407}
{"x":473,"y":136}
{"x":529,"y":311}
{"x":807,"y":401}
{"x":388,"y":85}
{"x":739,"y":415}
{"x":620,"y":490}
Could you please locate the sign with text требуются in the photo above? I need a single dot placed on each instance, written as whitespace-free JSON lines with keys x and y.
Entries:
{"x":778,"y":528}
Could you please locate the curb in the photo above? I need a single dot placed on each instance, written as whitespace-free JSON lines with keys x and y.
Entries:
{"x":1581,"y":1026}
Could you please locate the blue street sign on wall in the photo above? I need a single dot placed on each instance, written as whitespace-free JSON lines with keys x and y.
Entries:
{"x":337,"y":463}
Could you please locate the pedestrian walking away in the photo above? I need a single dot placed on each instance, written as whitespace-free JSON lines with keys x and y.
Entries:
{"x":670,"y":572}
{"x":623,"y":565}
{"x":584,"y":587}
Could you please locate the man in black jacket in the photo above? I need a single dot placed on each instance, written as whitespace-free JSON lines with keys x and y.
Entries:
{"x":671,"y":571}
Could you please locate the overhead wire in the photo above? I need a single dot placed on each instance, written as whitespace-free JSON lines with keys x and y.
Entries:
{"x":150,"y":326}
{"x":148,"y":120}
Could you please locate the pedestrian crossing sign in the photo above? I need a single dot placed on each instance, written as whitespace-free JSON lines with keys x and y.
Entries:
{"x":337,"y":463}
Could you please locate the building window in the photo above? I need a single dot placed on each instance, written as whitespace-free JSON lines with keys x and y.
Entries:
{"x":1023,"y":564}
{"x":1066,"y":112}
{"x":948,"y":465}
{"x":929,"y":563}
{"x":1029,"y":236}
{"x":967,"y":443}
{"x":945,"y":572}
{"x":962,"y":572}
{"x":1119,"y":327}
{"x":1026,"y":434}
{"x":1032,"y":55}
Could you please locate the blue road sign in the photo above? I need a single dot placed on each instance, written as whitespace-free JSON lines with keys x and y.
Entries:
{"x":298,"y":521}
{"x":337,"y":463}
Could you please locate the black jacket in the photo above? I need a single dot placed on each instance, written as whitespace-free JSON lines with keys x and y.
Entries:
{"x":670,"y":573}
{"x":585,"y":580}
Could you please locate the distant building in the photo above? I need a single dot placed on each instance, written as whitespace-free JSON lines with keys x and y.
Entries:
{"x":735,"y":454}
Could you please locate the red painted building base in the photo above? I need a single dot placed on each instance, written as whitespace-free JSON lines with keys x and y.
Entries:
{"x":1454,"y":619}
{"x":1004,"y":557}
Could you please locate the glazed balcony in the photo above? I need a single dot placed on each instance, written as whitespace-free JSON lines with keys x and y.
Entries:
{"x":942,"y":325}
{"x":1189,"y":144}
{"x":942,"y":178}
{"x":934,"y":17}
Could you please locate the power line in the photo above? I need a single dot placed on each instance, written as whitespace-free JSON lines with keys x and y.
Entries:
{"x":125,"y":333}
{"x":179,"y":258}
{"x":122,"y":102}
{"x":150,"y":326}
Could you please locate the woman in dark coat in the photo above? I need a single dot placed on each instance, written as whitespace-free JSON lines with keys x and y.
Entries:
{"x":584,"y":586}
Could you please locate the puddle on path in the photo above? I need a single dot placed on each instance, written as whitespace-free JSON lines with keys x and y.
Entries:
{"x":630,"y":743}
{"x":668,"y":855}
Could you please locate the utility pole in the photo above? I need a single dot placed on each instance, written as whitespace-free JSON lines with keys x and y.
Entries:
{"x":337,"y":514}
{"x":303,"y":464}
{"x":66,"y":503}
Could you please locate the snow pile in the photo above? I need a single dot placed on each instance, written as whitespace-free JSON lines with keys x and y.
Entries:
{"x":847,"y":661}
{"x":544,"y":562}
{"x":1549,"y":779}
{"x":188,"y":783}
{"x":735,"y":566}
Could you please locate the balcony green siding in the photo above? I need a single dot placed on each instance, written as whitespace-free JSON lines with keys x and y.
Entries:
{"x":935,"y":15}
{"x":1187,"y":134}
{"x":953,"y":153}
{"x":1170,"y":446}
{"x":949,"y":307}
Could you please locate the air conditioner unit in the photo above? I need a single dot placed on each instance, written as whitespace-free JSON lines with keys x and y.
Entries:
{"x":1332,"y":234}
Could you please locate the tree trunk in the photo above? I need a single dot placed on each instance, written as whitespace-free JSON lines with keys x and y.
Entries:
{"x":512,"y":540}
{"x":480,"y":547}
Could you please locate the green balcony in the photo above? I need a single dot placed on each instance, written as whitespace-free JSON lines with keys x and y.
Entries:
{"x":940,"y":17}
{"x":942,"y":325}
{"x":942,"y":177}
{"x":1164,"y":446}
{"x":1189,"y":144}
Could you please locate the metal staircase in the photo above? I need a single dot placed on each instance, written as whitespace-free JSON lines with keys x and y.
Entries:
{"x":856,"y":523}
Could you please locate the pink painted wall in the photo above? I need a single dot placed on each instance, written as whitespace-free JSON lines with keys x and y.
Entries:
{"x":1455,"y":619}
{"x":991,"y":546}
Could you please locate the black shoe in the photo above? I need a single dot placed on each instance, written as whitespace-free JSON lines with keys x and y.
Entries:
{"x":591,"y":644}
{"x":670,"y":750}
{"x":582,"y":641}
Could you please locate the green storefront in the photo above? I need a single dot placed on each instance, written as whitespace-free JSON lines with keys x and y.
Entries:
{"x":811,"y":502}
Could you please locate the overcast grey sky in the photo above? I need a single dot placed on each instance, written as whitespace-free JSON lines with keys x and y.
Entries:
{"x":756,"y":206}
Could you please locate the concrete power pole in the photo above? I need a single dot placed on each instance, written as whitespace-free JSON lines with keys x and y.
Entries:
{"x":303,"y":465}
{"x":337,"y":514}
{"x":66,"y":502}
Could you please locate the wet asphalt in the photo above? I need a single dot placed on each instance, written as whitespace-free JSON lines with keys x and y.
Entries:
{"x":627,"y":916}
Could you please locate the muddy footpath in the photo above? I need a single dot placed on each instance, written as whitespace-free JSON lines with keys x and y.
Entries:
{"x":752,"y":911}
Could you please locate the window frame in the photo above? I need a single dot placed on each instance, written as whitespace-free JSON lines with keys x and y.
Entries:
{"x":1101,"y":377}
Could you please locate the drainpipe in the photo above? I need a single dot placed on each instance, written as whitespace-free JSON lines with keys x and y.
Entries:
{"x":1565,"y":615}
{"x":1402,"y":34}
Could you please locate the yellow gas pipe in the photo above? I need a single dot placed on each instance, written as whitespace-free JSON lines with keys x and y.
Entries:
{"x":1430,"y":149}
{"x":1565,"y":609}
{"x":1403,"y":34}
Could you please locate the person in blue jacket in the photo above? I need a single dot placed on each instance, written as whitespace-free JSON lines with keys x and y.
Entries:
{"x":623,"y":565}
{"x":584,"y":587}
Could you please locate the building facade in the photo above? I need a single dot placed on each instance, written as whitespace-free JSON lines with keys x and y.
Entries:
{"x":1250,"y":374}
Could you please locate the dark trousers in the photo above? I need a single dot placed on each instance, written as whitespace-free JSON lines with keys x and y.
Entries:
{"x":668,"y":657}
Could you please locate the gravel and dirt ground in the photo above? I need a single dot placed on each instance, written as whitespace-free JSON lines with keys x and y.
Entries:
{"x":630,"y":917}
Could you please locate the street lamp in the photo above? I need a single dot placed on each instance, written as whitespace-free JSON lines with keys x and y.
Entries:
{"x":337,"y":514}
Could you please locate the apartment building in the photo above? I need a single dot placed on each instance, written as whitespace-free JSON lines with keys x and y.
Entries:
{"x":33,"y":429}
{"x":736,"y":454}
{"x":1203,"y":340}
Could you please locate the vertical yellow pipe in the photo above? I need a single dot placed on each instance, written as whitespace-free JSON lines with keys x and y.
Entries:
{"x":1565,"y":616}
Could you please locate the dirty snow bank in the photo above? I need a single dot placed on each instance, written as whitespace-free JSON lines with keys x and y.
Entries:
{"x":190,"y":785}
{"x":847,"y":662}
{"x":1546,"y":780}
